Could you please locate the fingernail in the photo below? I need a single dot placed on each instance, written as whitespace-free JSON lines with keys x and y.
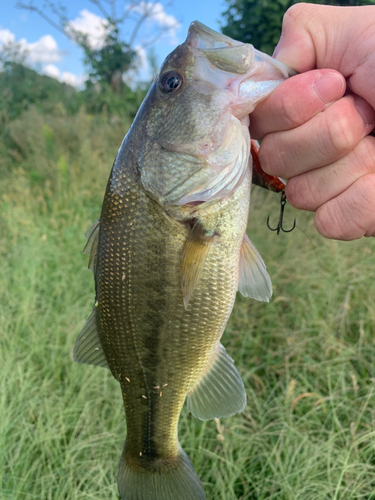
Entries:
{"x":276,"y":51}
{"x":365,"y":110}
{"x":329,"y":87}
{"x":280,"y":53}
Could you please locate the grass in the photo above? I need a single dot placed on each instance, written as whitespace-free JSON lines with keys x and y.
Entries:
{"x":307,"y":358}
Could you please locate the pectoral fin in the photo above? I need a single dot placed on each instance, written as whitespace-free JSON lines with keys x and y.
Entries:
{"x":194,"y":253}
{"x":88,"y":348}
{"x":91,"y":247}
{"x":220,"y":392}
{"x":254,"y":280}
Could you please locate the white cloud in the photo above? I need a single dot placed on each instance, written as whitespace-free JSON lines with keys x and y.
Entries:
{"x":52,"y":71}
{"x":142,"y":63}
{"x":156,"y":14}
{"x":142,"y":72}
{"x":6,"y":36}
{"x":163,"y":19}
{"x":45,"y":50}
{"x":71,"y":79}
{"x":95,"y":27}
{"x":91,"y":25}
{"x":64,"y":76}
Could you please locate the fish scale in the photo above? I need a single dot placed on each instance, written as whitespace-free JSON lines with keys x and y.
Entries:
{"x":148,"y":322}
{"x":170,"y":251}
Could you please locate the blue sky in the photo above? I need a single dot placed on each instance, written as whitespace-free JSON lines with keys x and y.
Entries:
{"x":52,"y":53}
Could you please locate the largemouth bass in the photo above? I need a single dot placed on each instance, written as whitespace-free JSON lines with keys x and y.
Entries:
{"x":170,"y":251}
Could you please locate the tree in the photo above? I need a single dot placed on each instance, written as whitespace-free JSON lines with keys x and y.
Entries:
{"x":109,"y":62}
{"x":22,"y":87}
{"x":259,"y":21}
{"x":115,"y":56}
{"x":12,"y":52}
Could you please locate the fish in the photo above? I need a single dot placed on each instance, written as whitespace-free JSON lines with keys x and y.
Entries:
{"x":170,"y":251}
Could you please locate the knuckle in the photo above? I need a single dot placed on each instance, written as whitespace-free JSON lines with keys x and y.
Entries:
{"x":271,"y":163}
{"x":363,"y":205}
{"x":342,"y":135}
{"x":293,"y":115}
{"x":294,"y":192}
{"x":364,"y":195}
{"x":352,"y":214}
{"x":323,"y":224}
{"x":300,"y":193}
{"x":330,"y":222}
{"x":293,"y":13}
{"x":364,"y":155}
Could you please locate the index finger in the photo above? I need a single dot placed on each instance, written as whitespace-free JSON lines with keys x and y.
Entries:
{"x":296,"y":100}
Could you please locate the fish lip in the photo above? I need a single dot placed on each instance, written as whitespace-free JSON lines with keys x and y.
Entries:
{"x":284,"y":70}
{"x":240,"y":61}
{"x":216,"y":51}
{"x":201,"y":36}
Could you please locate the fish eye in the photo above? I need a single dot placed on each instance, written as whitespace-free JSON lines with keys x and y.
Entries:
{"x":170,"y":82}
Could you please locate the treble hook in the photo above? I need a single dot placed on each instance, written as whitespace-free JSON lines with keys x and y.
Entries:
{"x":281,"y":215}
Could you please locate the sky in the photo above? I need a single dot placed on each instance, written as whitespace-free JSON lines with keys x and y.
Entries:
{"x":52,"y":53}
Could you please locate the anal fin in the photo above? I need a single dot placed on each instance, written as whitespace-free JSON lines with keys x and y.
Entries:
{"x":220,"y":392}
{"x":88,"y":348}
{"x":254,"y":280}
{"x":194,"y":253}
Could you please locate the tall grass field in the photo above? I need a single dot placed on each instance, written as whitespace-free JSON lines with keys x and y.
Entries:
{"x":307,"y":358}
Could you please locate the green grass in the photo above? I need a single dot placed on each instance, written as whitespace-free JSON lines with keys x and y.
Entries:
{"x":307,"y":358}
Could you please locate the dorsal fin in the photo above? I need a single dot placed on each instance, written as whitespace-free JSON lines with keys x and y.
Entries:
{"x":254,"y":280}
{"x":194,"y":253}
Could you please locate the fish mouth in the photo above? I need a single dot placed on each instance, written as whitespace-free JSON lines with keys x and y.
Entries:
{"x":247,"y":73}
{"x":202,"y":37}
{"x":221,"y":51}
{"x":228,"y":54}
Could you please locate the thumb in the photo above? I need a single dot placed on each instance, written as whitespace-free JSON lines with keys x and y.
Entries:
{"x":339,"y":38}
{"x":307,"y":32}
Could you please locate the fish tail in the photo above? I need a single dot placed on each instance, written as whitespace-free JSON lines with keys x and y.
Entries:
{"x":145,"y":478}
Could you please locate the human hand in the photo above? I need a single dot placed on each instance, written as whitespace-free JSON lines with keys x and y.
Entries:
{"x":312,"y":134}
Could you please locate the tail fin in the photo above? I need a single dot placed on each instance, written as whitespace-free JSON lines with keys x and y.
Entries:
{"x":160,"y":479}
